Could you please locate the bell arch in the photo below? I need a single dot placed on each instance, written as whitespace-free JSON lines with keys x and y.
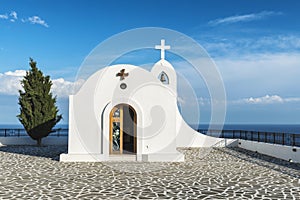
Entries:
{"x":164,"y":78}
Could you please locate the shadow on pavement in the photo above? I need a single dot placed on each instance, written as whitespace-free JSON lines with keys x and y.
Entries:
{"x":282,"y":166}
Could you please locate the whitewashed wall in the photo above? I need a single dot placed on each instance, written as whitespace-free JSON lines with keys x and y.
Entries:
{"x":154,"y":103}
{"x":160,"y":127}
{"x":275,"y":150}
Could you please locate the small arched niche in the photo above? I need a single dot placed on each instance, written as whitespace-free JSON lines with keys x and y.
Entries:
{"x":164,"y":78}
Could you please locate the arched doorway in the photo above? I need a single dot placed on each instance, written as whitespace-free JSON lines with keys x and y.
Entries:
{"x":122,"y":136}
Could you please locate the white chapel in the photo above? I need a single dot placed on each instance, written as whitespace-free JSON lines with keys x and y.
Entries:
{"x":126,"y":111}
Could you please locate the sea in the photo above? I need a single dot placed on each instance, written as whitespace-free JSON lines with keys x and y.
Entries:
{"x":280,"y":128}
{"x":277,"y":128}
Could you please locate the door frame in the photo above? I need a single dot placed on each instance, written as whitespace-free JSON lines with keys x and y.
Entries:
{"x":120,"y":120}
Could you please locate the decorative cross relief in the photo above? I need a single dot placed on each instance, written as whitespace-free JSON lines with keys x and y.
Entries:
{"x":162,"y":48}
{"x":122,"y":74}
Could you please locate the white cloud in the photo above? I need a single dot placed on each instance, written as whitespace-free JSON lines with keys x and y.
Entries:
{"x":252,"y":75}
{"x":243,"y":18}
{"x":63,"y":88}
{"x":274,"y":43}
{"x":5,"y":16}
{"x":257,"y":74}
{"x":264,"y":100}
{"x":281,"y":42}
{"x":14,"y":15}
{"x":37,"y":20}
{"x":17,"y":73}
{"x":255,"y":67}
{"x":181,"y":100}
{"x":267,"y":99}
{"x":203,"y":101}
{"x":198,"y":101}
{"x":10,"y":84}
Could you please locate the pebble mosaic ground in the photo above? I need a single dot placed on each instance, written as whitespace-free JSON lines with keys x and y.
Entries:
{"x":29,"y":172}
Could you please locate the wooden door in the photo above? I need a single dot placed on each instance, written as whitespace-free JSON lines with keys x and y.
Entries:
{"x":122,"y":137}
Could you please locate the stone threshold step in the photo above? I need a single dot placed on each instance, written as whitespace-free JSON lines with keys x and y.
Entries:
{"x":122,"y":157}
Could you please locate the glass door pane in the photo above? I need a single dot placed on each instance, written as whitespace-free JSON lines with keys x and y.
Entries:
{"x":122,"y":130}
{"x":116,"y":133}
{"x":128,"y":130}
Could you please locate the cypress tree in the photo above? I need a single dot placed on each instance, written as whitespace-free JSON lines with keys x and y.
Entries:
{"x":38,"y":112}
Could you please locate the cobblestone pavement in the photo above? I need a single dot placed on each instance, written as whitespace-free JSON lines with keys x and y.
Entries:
{"x":28,"y":172}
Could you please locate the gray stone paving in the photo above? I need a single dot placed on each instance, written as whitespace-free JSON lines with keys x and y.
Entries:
{"x":28,"y":172}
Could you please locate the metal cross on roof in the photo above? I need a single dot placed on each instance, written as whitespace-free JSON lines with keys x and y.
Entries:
{"x":162,"y":48}
{"x":122,"y":74}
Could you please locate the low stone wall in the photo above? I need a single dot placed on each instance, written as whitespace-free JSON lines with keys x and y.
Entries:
{"x":278,"y":151}
{"x":224,"y":142}
{"x":63,"y":140}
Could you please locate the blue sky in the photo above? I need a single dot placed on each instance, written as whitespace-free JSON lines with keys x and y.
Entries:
{"x":255,"y":44}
